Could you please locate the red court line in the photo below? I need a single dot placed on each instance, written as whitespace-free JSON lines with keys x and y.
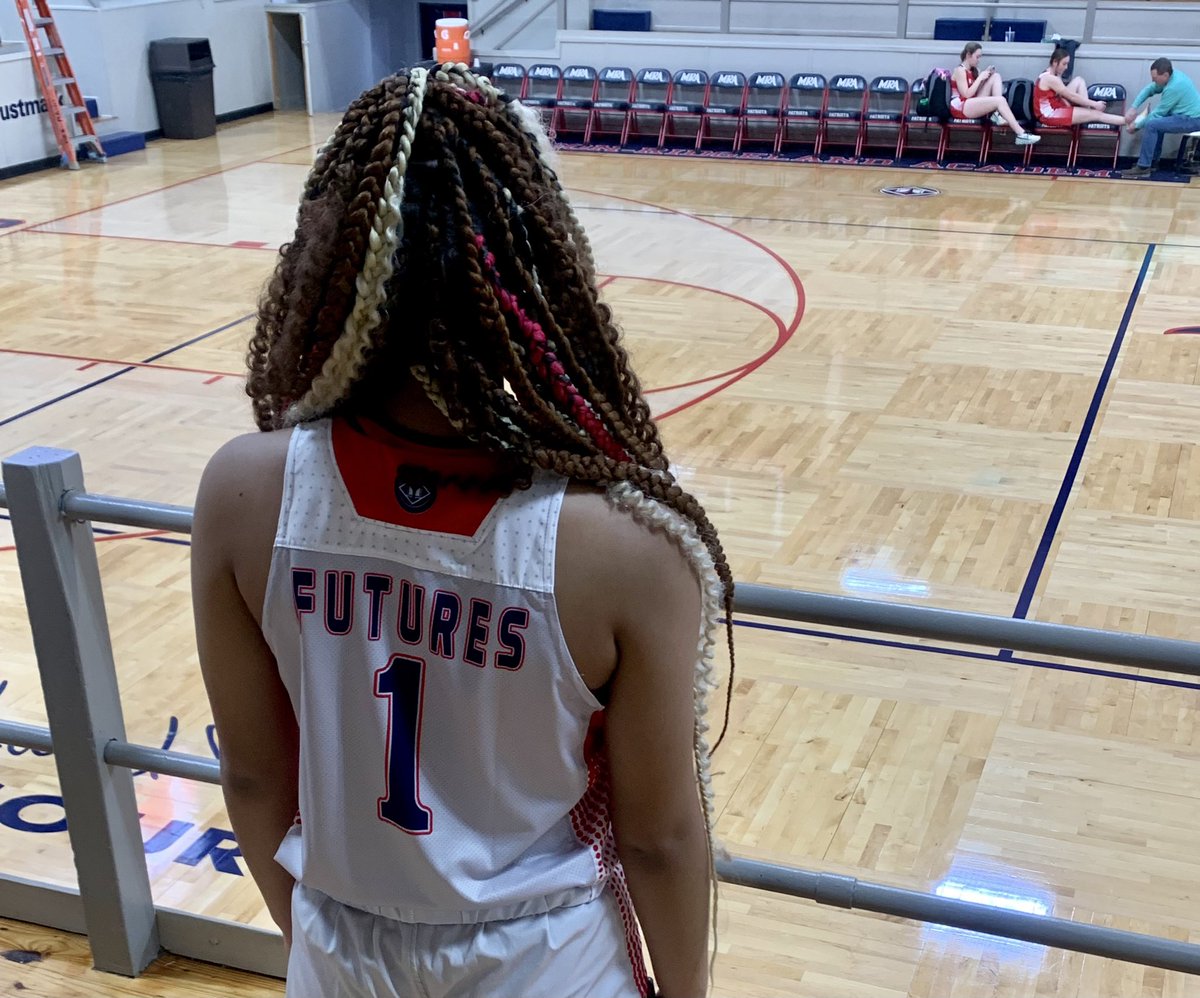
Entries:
{"x":605,"y":283}
{"x":769,"y":313}
{"x":92,"y":361}
{"x":110,"y":537}
{"x":788,"y":331}
{"x":146,"y":239}
{"x":167,"y":187}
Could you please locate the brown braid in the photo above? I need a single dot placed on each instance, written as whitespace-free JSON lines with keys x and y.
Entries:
{"x":568,"y":309}
{"x":473,"y":173}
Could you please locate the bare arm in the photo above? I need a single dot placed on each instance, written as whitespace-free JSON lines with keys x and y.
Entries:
{"x":1051,"y":82}
{"x":657,"y":816}
{"x":255,"y":722}
{"x":966,"y":90}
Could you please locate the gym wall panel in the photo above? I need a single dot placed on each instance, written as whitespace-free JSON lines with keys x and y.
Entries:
{"x":1124,"y":24}
{"x":109,"y":49}
{"x":25,"y":134}
{"x":672,"y":15}
{"x":845,"y":18}
{"x":1068,"y":23}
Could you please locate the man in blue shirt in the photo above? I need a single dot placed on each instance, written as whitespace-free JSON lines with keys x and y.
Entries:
{"x":1178,"y":110}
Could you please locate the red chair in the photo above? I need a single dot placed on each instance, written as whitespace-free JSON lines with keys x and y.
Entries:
{"x":1113,"y":94}
{"x":766,"y":97}
{"x":509,"y":77}
{"x":887,"y":103}
{"x":651,"y":94}
{"x":805,"y":105}
{"x":925,"y":124}
{"x":981,"y":127}
{"x":543,"y":84}
{"x":844,"y":108}
{"x":689,"y":94}
{"x":726,"y":103}
{"x":573,"y":108}
{"x":614,"y":93}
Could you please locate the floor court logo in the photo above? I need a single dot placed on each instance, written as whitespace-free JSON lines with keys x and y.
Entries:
{"x":910,"y":192}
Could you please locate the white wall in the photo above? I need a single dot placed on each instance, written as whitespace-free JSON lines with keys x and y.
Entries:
{"x":109,"y":50}
{"x":529,"y":26}
{"x":790,"y":54}
{"x":25,"y":136}
{"x":1121,"y":22}
{"x":10,"y":24}
{"x":395,"y":35}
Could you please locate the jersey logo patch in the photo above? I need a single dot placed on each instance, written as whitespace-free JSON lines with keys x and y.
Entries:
{"x":416,"y":488}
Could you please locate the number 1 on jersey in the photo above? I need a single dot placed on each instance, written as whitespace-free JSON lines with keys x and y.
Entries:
{"x":402,"y":683}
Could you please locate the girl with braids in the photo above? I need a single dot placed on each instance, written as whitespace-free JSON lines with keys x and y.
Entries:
{"x":456,"y":618}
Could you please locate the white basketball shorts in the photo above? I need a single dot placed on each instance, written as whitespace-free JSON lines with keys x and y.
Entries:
{"x":343,"y":952}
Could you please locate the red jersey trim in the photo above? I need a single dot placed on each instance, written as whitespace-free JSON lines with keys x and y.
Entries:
{"x":368,"y":459}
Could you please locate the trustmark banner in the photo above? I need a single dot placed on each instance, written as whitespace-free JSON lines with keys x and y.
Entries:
{"x":25,"y":132}
{"x":22,"y":109}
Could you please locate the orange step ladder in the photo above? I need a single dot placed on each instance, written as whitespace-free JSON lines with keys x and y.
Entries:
{"x":64,"y":103}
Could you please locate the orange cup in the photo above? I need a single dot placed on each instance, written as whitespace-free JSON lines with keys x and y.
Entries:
{"x":453,"y":40}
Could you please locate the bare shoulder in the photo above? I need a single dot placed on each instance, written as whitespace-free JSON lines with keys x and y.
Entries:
{"x":612,"y":543}
{"x":242,"y":485}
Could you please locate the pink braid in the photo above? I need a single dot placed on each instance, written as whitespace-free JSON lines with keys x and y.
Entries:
{"x":548,"y":367}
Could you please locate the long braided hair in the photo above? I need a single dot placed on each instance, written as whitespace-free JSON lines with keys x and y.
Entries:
{"x":434,"y":239}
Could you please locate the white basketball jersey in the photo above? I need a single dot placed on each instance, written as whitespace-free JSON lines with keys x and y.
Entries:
{"x":448,"y":763}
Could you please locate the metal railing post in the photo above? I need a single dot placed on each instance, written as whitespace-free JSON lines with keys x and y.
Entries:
{"x":61,"y":579}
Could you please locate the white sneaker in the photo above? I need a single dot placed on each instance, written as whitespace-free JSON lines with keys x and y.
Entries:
{"x":996,"y":118}
{"x":1028,"y":139}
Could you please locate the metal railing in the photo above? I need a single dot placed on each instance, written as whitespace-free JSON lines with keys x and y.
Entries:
{"x":51,"y":510}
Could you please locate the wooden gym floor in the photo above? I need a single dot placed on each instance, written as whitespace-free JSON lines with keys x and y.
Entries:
{"x":964,"y":401}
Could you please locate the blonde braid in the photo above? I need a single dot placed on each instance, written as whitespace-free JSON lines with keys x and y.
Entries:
{"x":682,"y":531}
{"x":459,"y":74}
{"x":346,"y":361}
{"x":421,"y":373}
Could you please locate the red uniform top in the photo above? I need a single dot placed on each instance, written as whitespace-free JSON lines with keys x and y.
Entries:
{"x":1050,"y":108}
{"x":957,"y":99}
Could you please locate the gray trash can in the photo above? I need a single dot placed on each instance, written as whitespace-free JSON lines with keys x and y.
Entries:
{"x":181,"y":70}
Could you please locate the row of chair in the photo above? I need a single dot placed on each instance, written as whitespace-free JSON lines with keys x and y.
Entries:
{"x":655,"y":105}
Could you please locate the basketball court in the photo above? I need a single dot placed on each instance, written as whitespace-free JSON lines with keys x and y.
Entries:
{"x":982,"y":399}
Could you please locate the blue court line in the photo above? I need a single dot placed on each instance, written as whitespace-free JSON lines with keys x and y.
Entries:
{"x":125,"y":370}
{"x":107,"y":531}
{"x":197,"y":339}
{"x":891,"y":227}
{"x":1085,"y":434}
{"x":66,"y":395}
{"x":156,"y":540}
{"x":960,"y":653}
